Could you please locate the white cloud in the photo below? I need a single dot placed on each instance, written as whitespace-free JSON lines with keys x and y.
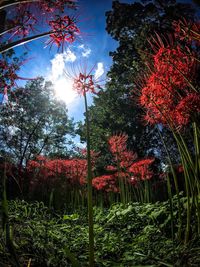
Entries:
{"x":62,"y":85}
{"x":86,"y":51}
{"x":57,"y":66}
{"x":69,"y":56}
{"x":58,"y":63}
{"x":99,"y":71}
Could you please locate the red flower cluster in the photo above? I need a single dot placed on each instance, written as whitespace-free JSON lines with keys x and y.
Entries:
{"x":65,"y":30}
{"x":107,"y":183}
{"x":117,"y":143}
{"x":118,"y":147}
{"x":8,"y":76}
{"x":45,"y":170}
{"x":188,"y":31}
{"x":187,"y":107}
{"x":126,"y":169}
{"x":53,"y":5}
{"x":74,"y":171}
{"x":23,"y":23}
{"x":84,"y":83}
{"x":140,"y":170}
{"x":167,"y":87}
{"x":94,"y":155}
{"x":27,"y":15}
{"x":172,"y":67}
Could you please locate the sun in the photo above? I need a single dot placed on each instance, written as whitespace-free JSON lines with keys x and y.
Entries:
{"x":64,"y":91}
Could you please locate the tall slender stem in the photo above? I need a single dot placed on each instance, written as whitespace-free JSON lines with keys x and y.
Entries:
{"x":14,"y":44}
{"x":89,"y":184}
{"x":4,"y":4}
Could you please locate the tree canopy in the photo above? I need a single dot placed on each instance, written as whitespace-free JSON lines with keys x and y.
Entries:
{"x":34,"y":122}
{"x":116,"y":108}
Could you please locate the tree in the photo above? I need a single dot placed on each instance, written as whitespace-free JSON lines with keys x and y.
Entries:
{"x":34,"y":122}
{"x":116,"y":108}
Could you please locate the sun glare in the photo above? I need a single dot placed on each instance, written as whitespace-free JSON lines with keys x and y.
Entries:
{"x":64,"y":91}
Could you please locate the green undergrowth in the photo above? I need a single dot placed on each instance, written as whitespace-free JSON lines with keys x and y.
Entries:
{"x":125,"y":235}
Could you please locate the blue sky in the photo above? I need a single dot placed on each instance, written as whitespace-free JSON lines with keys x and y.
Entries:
{"x":91,"y":48}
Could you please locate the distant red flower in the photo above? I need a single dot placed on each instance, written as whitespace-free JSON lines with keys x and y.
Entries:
{"x":118,"y":147}
{"x":126,"y":158}
{"x":53,"y":5}
{"x":141,"y":169}
{"x":187,"y":30}
{"x":187,"y":106}
{"x":50,"y":171}
{"x":111,"y":168}
{"x":180,"y":168}
{"x":117,"y":143}
{"x":8,"y":76}
{"x":106,"y":183}
{"x":65,"y":30}
{"x":133,"y":180}
{"x":23,"y":23}
{"x":94,"y":155}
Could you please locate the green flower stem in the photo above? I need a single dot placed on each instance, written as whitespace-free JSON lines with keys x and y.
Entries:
{"x":197,"y":152}
{"x":5,"y":4}
{"x":23,"y":41}
{"x":171,"y":206}
{"x":89,"y":184}
{"x":176,"y":186}
{"x":189,"y":207}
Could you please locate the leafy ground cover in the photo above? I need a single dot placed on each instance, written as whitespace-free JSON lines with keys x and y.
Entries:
{"x":125,"y":235}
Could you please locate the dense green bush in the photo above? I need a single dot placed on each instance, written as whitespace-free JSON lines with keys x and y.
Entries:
{"x":125,"y":235}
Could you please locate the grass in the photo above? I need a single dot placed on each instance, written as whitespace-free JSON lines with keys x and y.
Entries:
{"x":125,"y":235}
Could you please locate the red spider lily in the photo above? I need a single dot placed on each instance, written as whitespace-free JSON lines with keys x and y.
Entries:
{"x":83,"y":80}
{"x":158,"y":101}
{"x":187,"y":106}
{"x":53,"y":5}
{"x":107,"y":183}
{"x":117,"y":146}
{"x":126,"y":158}
{"x":94,"y":155}
{"x":84,"y":83}
{"x":65,"y":30}
{"x":133,"y":181}
{"x":111,"y":168}
{"x":187,"y":30}
{"x":74,"y":170}
{"x":141,"y":169}
{"x":78,"y":171}
{"x":117,"y":143}
{"x":23,"y":24}
{"x":166,"y":86}
{"x":180,"y":168}
{"x":8,"y":75}
{"x":173,"y":66}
